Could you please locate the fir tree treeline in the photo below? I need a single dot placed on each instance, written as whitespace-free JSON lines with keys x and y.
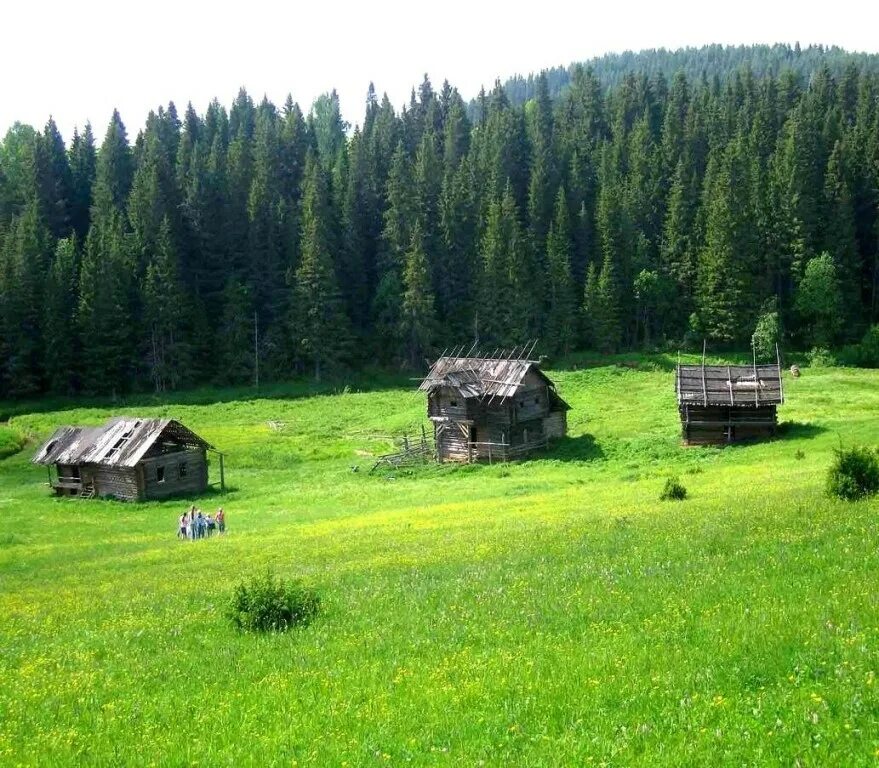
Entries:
{"x":264,"y":241}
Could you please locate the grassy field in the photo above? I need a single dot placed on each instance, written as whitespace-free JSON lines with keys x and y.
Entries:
{"x":546,"y":613}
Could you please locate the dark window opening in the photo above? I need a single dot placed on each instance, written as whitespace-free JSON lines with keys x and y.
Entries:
{"x":182,"y":469}
{"x":160,"y":474}
{"x":453,"y":403}
{"x":536,"y":401}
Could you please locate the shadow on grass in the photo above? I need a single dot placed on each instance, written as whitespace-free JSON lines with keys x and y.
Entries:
{"x":799,"y":429}
{"x":580,"y":448}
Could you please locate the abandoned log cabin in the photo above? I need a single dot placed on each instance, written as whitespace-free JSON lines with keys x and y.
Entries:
{"x":126,"y":458}
{"x":493,"y":408}
{"x":728,"y":403}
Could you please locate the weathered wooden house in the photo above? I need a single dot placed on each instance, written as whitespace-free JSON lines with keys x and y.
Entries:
{"x":126,"y":458}
{"x":493,"y":408}
{"x":728,"y":403}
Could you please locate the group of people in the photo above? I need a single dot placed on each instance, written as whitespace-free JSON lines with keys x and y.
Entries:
{"x":194,"y":524}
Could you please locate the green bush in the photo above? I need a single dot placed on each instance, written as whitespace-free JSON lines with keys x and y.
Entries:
{"x":820,"y":357}
{"x":800,"y":455}
{"x":767,"y":333}
{"x":673,"y":490}
{"x":854,"y":474}
{"x":265,"y":603}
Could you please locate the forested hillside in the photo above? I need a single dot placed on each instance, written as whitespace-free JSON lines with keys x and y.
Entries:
{"x":710,"y":61}
{"x":641,"y":211}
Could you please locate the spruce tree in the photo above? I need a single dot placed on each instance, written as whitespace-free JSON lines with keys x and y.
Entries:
{"x":104,"y":313}
{"x":83,"y":167}
{"x":725,"y":271}
{"x":839,"y":239}
{"x":164,"y":315}
{"x":509,"y":307}
{"x":62,"y":353}
{"x":236,"y":338}
{"x":113,"y":172}
{"x":268,"y":260}
{"x":29,"y":245}
{"x":607,"y":322}
{"x":16,"y":171}
{"x":428,"y":185}
{"x":400,"y":216}
{"x":461,"y":273}
{"x":53,"y":181}
{"x":543,"y":176}
{"x":678,"y":250}
{"x":560,"y":324}
{"x":590,"y":310}
{"x":418,"y":321}
{"x":320,"y":326}
{"x":153,"y":198}
{"x":494,"y":285}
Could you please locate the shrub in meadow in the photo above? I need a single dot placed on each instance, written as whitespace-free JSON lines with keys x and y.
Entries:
{"x":799,"y":455}
{"x":854,"y":473}
{"x":265,"y":603}
{"x":820,"y":357}
{"x":673,"y":490}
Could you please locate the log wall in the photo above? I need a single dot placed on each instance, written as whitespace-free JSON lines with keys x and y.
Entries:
{"x":718,"y":425}
{"x":555,"y":425}
{"x":118,"y":482}
{"x":194,"y":480}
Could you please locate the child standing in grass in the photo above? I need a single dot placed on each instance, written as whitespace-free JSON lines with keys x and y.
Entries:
{"x":184,"y":522}
{"x":221,"y":520}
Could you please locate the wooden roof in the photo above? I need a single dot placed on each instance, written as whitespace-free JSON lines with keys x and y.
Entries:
{"x":735,"y":385}
{"x":121,"y":442}
{"x":481,"y":377}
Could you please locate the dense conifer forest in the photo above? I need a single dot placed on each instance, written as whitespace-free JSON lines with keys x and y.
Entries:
{"x":644,"y":201}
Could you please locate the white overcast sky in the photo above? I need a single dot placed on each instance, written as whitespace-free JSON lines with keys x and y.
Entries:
{"x":79,"y":60}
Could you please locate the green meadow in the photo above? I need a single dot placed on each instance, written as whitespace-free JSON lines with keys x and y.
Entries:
{"x":551,"y":612}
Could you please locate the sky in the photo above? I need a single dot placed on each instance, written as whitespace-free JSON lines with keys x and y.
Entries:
{"x":77,"y":61}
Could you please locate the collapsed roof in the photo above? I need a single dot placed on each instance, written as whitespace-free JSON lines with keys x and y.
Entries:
{"x":480,"y":377}
{"x":121,"y":442}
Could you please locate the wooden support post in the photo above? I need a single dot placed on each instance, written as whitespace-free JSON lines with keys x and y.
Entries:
{"x":780,"y":378}
{"x":756,"y":380}
{"x":704,"y":388}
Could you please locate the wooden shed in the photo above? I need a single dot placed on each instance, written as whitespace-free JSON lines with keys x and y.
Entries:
{"x":728,"y":403}
{"x":127,"y":458}
{"x":493,"y":408}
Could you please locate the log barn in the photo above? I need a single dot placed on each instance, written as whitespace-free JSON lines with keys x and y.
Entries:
{"x":728,"y":403}
{"x":493,"y":408}
{"x":127,"y":458}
